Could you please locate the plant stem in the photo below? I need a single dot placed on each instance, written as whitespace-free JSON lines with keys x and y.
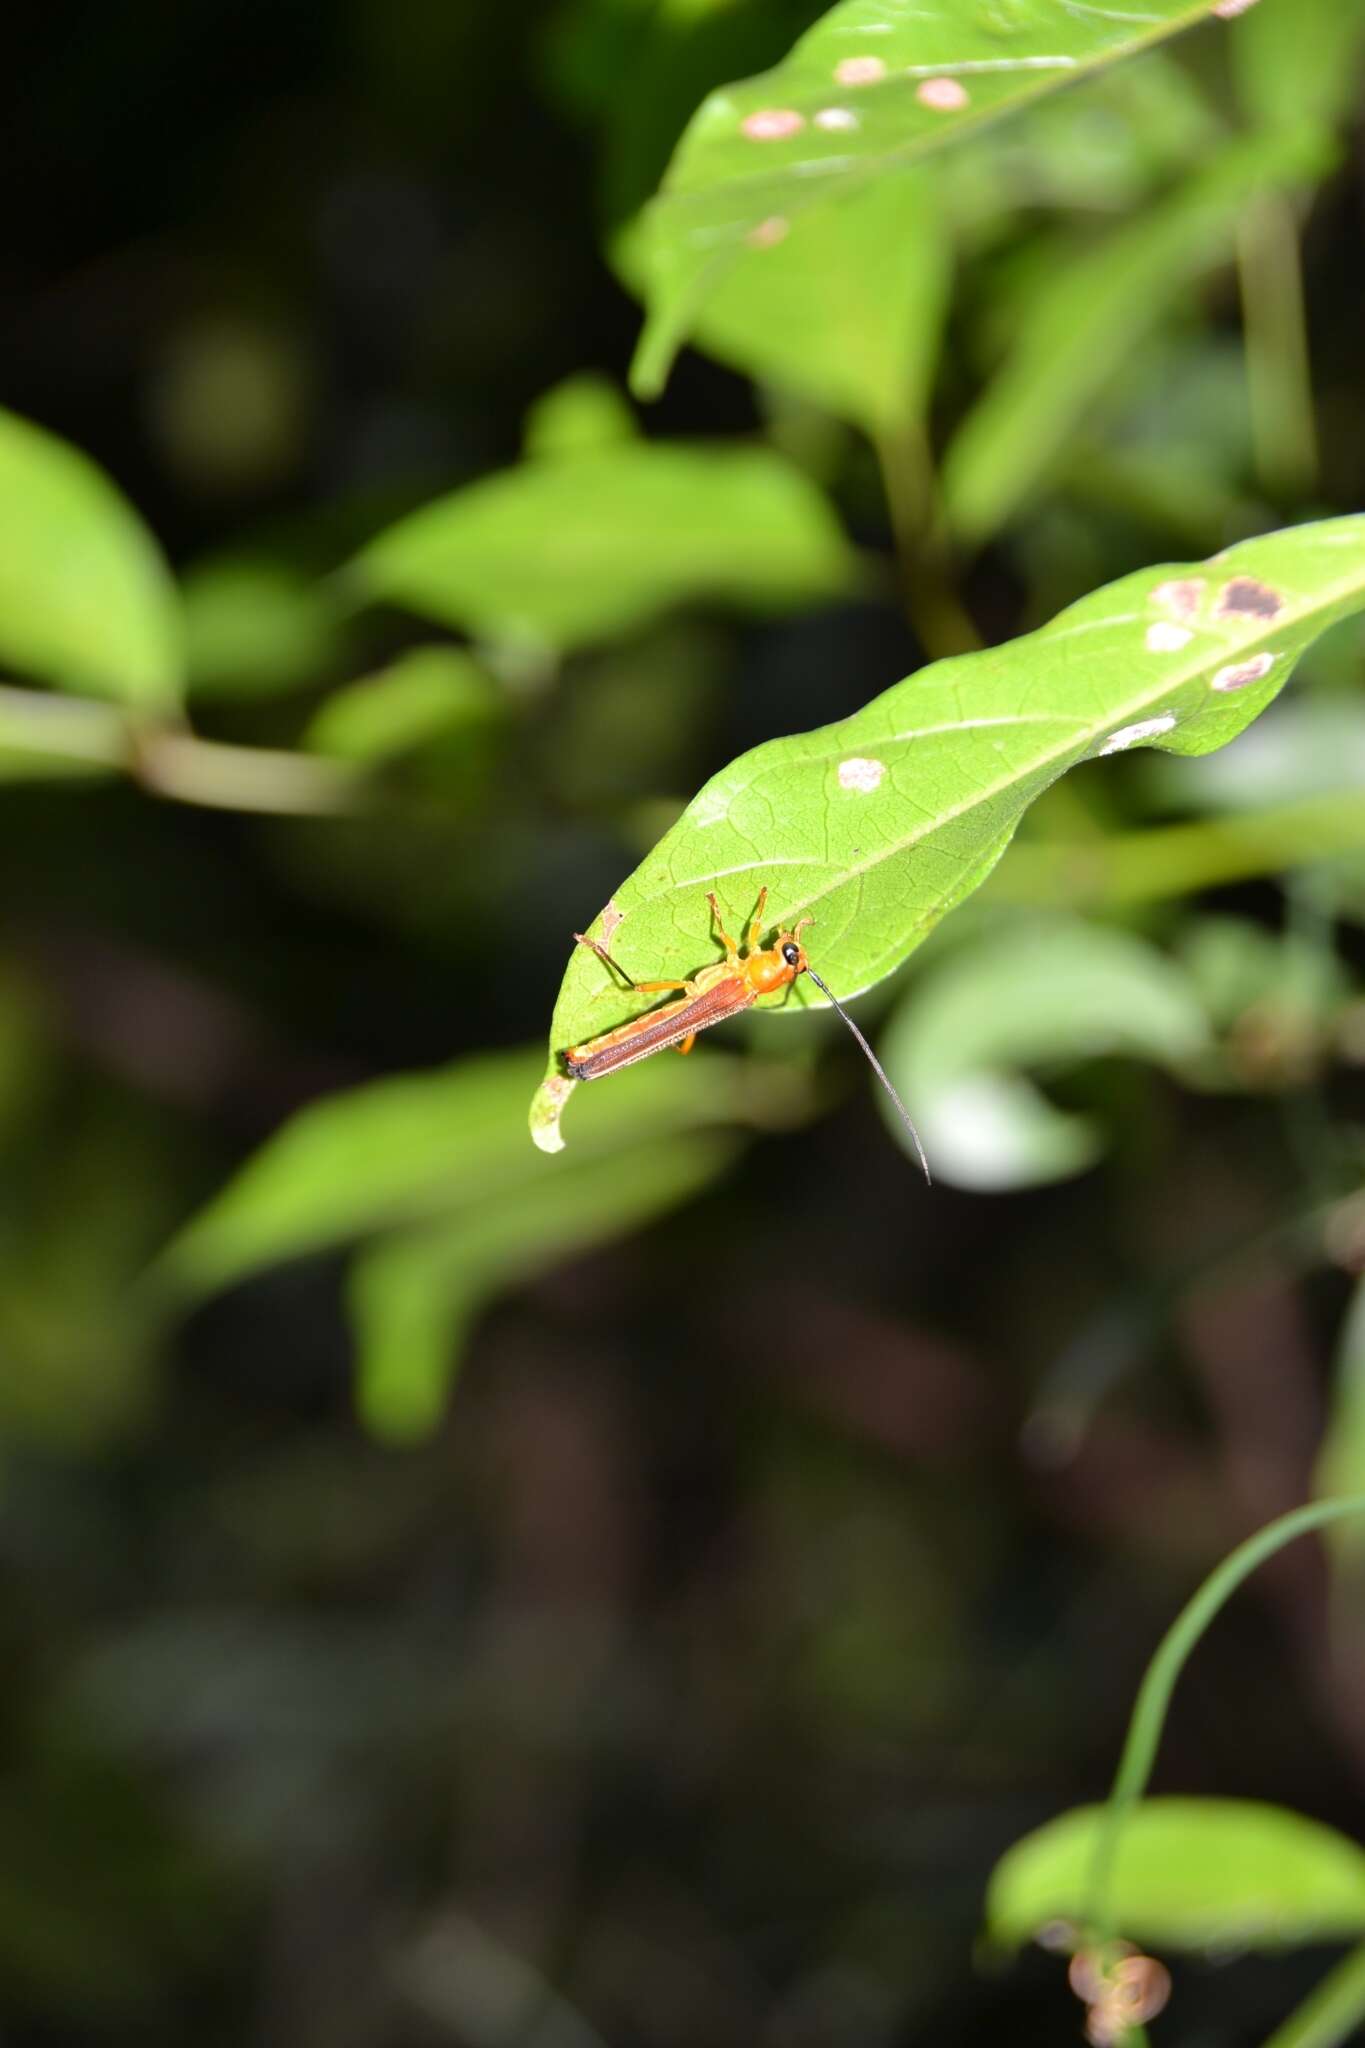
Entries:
{"x":933,"y":607}
{"x":1332,"y":2012}
{"x":1154,"y":1694}
{"x":1176,"y":860}
{"x":195,"y":771}
{"x":1279,"y":382}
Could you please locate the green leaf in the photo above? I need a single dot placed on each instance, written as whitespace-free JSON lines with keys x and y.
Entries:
{"x":86,"y":601}
{"x":449,"y":1144}
{"x":1041,"y":989}
{"x":255,"y":626}
{"x":828,"y":316}
{"x":880,"y":824}
{"x":1341,"y":1460}
{"x":414,"y":1296}
{"x":581,"y":416}
{"x":562,"y":553}
{"x":1190,"y":1873}
{"x":1300,"y":63}
{"x":870,"y":90}
{"x":422,"y":696}
{"x":1089,"y":318}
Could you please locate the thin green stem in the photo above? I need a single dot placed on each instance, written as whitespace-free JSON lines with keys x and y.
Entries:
{"x":1279,"y":380}
{"x":1154,"y":1694}
{"x":933,"y":607}
{"x":1332,"y":2012}
{"x":1177,"y":860}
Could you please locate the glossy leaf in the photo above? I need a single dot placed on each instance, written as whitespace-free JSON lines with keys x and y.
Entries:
{"x":1054,"y":990}
{"x":86,"y":601}
{"x":422,"y":696}
{"x":868,"y":91}
{"x":579,"y":549}
{"x":880,"y":824}
{"x":413,"y":1296}
{"x":1085,"y":321}
{"x":1189,"y":1873}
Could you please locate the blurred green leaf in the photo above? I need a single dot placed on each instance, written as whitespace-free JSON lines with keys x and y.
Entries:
{"x":449,"y":1144}
{"x":881,"y":824}
{"x":414,"y":1296}
{"x":1054,"y":990}
{"x":422,"y":696}
{"x":1300,"y":63}
{"x":581,"y":416}
{"x":1090,"y":317}
{"x":86,"y":601}
{"x":1237,"y":966}
{"x":830,"y":317}
{"x":1312,"y":746}
{"x":579,"y":549}
{"x":254,"y":626}
{"x":865,"y":93}
{"x":1190,"y":1873}
{"x":1341,"y":1457}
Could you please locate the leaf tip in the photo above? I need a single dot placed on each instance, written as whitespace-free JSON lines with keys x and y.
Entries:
{"x":547,"y":1107}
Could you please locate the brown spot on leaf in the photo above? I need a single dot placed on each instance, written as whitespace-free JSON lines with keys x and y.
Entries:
{"x":1245,"y":598}
{"x":611,"y":920}
{"x":1238,"y":674}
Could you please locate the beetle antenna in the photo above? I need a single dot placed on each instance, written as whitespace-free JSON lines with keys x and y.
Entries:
{"x":878,"y":1069}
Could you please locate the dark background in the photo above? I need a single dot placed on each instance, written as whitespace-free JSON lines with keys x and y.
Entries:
{"x":686,"y":1684}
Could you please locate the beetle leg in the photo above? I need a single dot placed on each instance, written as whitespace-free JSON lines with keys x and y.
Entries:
{"x":755,"y":932}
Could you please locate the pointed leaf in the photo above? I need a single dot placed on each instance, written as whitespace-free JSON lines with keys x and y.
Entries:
{"x":870,"y":90}
{"x":1189,"y":1873}
{"x":880,"y":824}
{"x":86,"y":601}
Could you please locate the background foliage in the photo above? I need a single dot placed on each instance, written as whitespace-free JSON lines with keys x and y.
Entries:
{"x":793,"y":1539}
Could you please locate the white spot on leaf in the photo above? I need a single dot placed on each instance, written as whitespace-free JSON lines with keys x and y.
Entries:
{"x":1165,"y":637}
{"x":860,"y":71}
{"x":861,"y":774}
{"x":611,"y":920}
{"x":1180,"y":596}
{"x":1226,"y":10}
{"x":771,"y":124}
{"x":1240,"y":673}
{"x":1145,"y":729}
{"x":944,"y":95}
{"x":769,"y":232}
{"x":836,"y":118}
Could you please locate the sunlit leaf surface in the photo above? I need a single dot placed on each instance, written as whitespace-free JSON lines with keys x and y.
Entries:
{"x":878,"y":825}
{"x":872,"y":88}
{"x":1189,"y":1873}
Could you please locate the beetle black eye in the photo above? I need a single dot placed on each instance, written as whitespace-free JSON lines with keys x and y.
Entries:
{"x":791,"y":953}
